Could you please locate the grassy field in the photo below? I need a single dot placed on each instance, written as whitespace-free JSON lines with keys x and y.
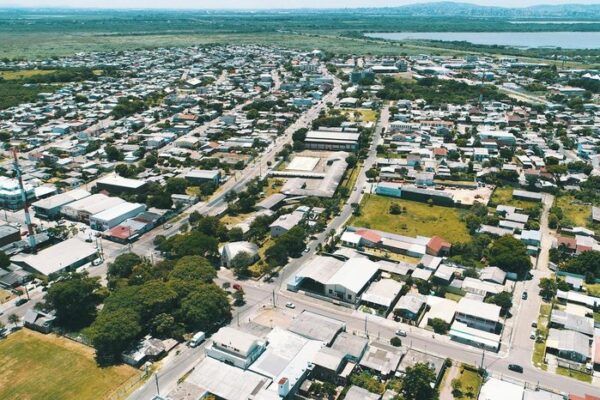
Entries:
{"x":503,"y":195}
{"x":593,"y":289}
{"x":393,"y":256}
{"x":26,"y":73}
{"x":580,"y":376}
{"x":574,"y":212}
{"x":42,"y":367}
{"x":418,"y":219}
{"x":453,"y":296}
{"x":470,"y":382}
{"x":539,"y":349}
{"x":5,"y":296}
{"x":366,"y":115}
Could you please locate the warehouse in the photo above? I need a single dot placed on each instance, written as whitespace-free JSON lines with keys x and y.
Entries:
{"x":64,"y":256}
{"x":200,"y":176}
{"x":113,"y":216}
{"x":323,"y":140}
{"x":118,"y":184}
{"x":9,"y":234}
{"x":50,"y":207}
{"x":81,"y":210}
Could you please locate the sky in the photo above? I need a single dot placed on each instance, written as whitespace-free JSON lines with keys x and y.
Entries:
{"x":254,"y":4}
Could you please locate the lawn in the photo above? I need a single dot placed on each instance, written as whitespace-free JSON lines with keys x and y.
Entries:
{"x":393,"y":256}
{"x":539,"y":349}
{"x":418,"y":219}
{"x":574,"y":212}
{"x":366,"y":115}
{"x":593,"y":289}
{"x":503,"y":195}
{"x":574,"y":374}
{"x":34,"y":366}
{"x":453,"y":296}
{"x":470,"y":382}
{"x":273,"y":186}
{"x":24,"y":73}
{"x":351,"y":177}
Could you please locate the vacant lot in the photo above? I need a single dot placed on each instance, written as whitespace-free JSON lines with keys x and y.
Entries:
{"x":418,"y":219}
{"x":24,"y":73}
{"x":470,"y":382}
{"x":503,"y":195}
{"x":43,"y":367}
{"x":574,"y":211}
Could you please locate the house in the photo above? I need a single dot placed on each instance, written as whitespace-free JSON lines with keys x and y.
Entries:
{"x":147,"y":349}
{"x":410,"y":306}
{"x":527,"y":196}
{"x":382,"y":294}
{"x":478,"y":315}
{"x":197,"y":177}
{"x":569,"y":345}
{"x":39,"y":321}
{"x":235,"y":347}
{"x":564,"y":320}
{"x":330,"y":365}
{"x":285,"y":222}
{"x":230,"y":250}
{"x":358,"y":393}
{"x":438,"y":246}
{"x":413,"y":356}
{"x":493,"y":275}
{"x":381,"y":358}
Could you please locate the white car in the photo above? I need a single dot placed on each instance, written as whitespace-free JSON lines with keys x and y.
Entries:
{"x":401,"y":332}
{"x":532,"y":335}
{"x":291,"y":305}
{"x":97,"y":262}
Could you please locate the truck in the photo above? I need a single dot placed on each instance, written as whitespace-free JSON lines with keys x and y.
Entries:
{"x":197,"y":339}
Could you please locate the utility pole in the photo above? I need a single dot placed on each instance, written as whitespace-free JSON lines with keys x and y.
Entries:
{"x":482,"y":358}
{"x":31,"y":234}
{"x":274,"y":305}
{"x":366,"y":325}
{"x":157,"y":387}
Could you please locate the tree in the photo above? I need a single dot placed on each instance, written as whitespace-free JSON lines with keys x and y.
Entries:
{"x":418,"y":383}
{"x":123,"y":265}
{"x":503,"y":300}
{"x":439,"y":326}
{"x":75,"y":300}
{"x":206,"y":309}
{"x":238,"y":298}
{"x":586,"y":263}
{"x":176,"y":185}
{"x":14,"y":319}
{"x":548,"y":288}
{"x":113,"y":154}
{"x":164,"y":326}
{"x":510,"y":255}
{"x":235,"y":234}
{"x":113,"y":332}
{"x":241,"y":262}
{"x":189,"y":268}
{"x":395,"y":209}
{"x":396,"y":341}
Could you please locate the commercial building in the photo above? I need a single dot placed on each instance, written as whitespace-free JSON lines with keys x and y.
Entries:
{"x":10,"y":193}
{"x":117,"y":185}
{"x":82,"y":210}
{"x":9,"y":234}
{"x":113,"y":216}
{"x":49,"y":208}
{"x":64,"y":256}
{"x":326,"y":140}
{"x":200,"y":176}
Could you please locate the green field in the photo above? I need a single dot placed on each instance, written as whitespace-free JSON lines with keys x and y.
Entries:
{"x":574,"y":374}
{"x":574,"y":212}
{"x":26,"y":73}
{"x":419,"y":219}
{"x":503,"y":195}
{"x":43,"y":367}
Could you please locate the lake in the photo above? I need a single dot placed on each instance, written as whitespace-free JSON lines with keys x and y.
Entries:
{"x":566,"y":40}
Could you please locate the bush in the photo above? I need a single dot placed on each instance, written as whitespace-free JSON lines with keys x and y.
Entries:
{"x":396,"y":341}
{"x":439,"y":326}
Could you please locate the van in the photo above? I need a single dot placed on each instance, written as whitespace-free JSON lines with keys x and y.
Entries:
{"x":197,"y":339}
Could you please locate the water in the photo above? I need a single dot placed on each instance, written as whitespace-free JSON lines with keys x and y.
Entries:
{"x":565,"y":40}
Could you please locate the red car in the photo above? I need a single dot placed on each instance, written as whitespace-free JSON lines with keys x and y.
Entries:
{"x":237,"y":286}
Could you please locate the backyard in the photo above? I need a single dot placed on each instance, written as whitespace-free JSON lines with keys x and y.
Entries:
{"x":417,"y":219}
{"x":503,"y":195}
{"x":35,"y":366}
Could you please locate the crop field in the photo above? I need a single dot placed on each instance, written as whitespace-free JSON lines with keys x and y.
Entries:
{"x":34,"y":366}
{"x":418,"y":219}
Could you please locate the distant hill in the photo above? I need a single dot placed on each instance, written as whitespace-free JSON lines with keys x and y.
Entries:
{"x":452,"y":9}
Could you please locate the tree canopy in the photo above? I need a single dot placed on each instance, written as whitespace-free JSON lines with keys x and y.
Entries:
{"x":510,"y":255}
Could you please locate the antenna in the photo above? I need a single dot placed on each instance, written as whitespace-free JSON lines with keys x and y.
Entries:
{"x":17,"y":168}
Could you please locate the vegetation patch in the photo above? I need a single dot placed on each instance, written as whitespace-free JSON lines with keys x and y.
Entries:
{"x":467,"y":384}
{"x":503,"y":195}
{"x":416,"y":219}
{"x":580,"y":376}
{"x":39,"y":367}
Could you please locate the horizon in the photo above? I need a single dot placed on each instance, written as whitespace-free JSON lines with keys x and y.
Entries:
{"x":266,"y":5}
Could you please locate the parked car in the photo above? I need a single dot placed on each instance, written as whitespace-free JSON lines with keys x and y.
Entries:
{"x":97,"y":262}
{"x":167,"y":226}
{"x":401,"y":332}
{"x":291,"y":305}
{"x":515,"y":368}
{"x":20,"y":302}
{"x":524,"y":296}
{"x":197,"y":339}
{"x":532,"y":334}
{"x":534,"y":324}
{"x":237,"y":286}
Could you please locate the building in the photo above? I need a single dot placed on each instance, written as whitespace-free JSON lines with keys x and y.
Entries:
{"x":63,"y":256}
{"x":316,"y":326}
{"x":147,"y":349}
{"x":10,"y":193}
{"x":462,"y":333}
{"x":9,"y":234}
{"x":335,"y":141}
{"x":381,"y":358}
{"x":113,"y":216}
{"x":49,"y":208}
{"x":358,"y":393}
{"x":410,"y":306}
{"x":82,"y":210}
{"x":197,"y":177}
{"x":478,"y":315}
{"x":382,"y":295}
{"x":235,"y":347}
{"x":564,"y":320}
{"x":285,"y":222}
{"x":232,"y":249}
{"x":527,"y":196}
{"x":569,"y":345}
{"x":349,"y":282}
{"x":118,"y":185}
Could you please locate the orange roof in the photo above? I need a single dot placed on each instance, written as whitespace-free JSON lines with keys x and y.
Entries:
{"x":369,"y":235}
{"x":570,"y":242}
{"x":120,"y":232}
{"x":440,"y":151}
{"x":584,"y":397}
{"x":436,"y":244}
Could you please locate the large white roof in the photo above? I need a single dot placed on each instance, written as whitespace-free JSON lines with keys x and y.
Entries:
{"x":60,"y":256}
{"x":354,"y":274}
{"x":487,"y":311}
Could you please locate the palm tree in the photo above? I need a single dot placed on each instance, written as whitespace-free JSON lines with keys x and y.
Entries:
{"x":14,"y":319}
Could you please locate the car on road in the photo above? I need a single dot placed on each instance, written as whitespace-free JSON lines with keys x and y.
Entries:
{"x":167,"y":226}
{"x":198,"y":338}
{"x":524,"y":296}
{"x":20,"y":302}
{"x":534,"y":324}
{"x":532,"y":334}
{"x":291,"y":305}
{"x":515,"y":368}
{"x":237,"y":286}
{"x":401,"y":332}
